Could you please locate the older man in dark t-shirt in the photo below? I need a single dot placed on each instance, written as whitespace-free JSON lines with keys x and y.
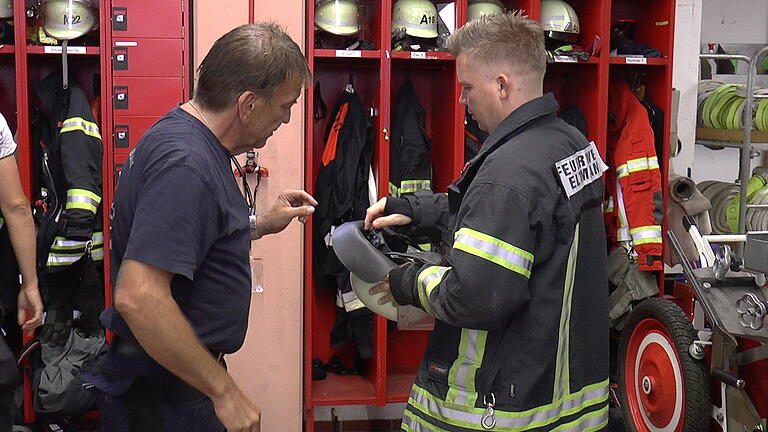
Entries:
{"x":181,"y":232}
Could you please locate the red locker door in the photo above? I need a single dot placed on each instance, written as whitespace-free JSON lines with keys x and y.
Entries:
{"x":142,"y":57}
{"x":128,"y":131}
{"x":145,"y":96}
{"x":140,"y":18}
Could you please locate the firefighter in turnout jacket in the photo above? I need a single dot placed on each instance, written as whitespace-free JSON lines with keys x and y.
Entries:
{"x":634,"y":208}
{"x":521,"y":332}
{"x":70,"y":238}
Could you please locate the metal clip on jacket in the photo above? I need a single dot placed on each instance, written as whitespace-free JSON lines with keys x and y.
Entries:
{"x":489,"y":419}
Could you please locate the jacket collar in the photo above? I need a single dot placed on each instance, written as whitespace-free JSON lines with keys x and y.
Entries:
{"x":526,"y":113}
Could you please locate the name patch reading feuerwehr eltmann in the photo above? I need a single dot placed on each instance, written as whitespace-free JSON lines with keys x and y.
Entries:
{"x":580,"y":169}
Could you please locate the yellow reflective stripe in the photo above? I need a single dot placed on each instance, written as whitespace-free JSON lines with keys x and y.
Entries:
{"x":79,"y":123}
{"x":623,"y":232}
{"x":97,"y":237}
{"x":413,"y":423}
{"x":425,"y":246}
{"x":411,"y":186}
{"x":427,"y":280}
{"x":393,"y":191}
{"x":609,"y":205}
{"x":646,"y":234}
{"x":97,"y":254}
{"x":62,"y":244}
{"x":562,"y":366}
{"x":470,"y":417}
{"x":351,"y":302}
{"x":639,"y":164}
{"x":61,"y":259}
{"x":82,"y":199}
{"x":461,"y":377}
{"x":495,"y":250}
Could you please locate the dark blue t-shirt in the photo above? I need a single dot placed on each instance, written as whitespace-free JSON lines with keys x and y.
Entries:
{"x":178,"y":208}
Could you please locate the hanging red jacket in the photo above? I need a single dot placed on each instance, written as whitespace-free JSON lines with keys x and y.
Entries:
{"x":634,"y":208}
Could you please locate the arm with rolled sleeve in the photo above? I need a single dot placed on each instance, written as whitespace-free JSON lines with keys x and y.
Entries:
{"x":490,"y":263}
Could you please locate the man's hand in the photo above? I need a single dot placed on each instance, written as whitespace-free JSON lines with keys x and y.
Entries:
{"x":290,"y":204}
{"x":383,"y":286}
{"x":236,"y":412}
{"x":29,"y":302}
{"x":374,"y":217}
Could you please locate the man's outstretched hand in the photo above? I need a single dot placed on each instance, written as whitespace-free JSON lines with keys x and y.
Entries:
{"x":290,"y":204}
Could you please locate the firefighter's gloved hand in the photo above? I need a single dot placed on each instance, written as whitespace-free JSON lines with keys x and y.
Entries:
{"x":58,"y":325}
{"x":387,"y":212}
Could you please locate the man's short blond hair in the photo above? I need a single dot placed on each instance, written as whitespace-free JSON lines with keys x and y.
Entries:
{"x":507,"y":40}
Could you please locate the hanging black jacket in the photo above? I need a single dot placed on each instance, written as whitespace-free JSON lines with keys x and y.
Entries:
{"x":410,"y":150}
{"x":341,"y":190}
{"x":341,"y":187}
{"x":70,"y":141}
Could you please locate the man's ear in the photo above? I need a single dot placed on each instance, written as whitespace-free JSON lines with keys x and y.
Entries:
{"x":504,"y":86}
{"x":246,"y":104}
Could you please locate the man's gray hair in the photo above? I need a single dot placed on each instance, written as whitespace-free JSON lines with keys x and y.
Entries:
{"x":505,"y":39}
{"x":256,"y":57}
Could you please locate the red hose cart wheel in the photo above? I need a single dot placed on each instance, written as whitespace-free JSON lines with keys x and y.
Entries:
{"x":663,"y":388}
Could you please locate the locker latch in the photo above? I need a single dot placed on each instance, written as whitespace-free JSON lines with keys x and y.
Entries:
{"x":122,"y":136}
{"x":120,"y":96}
{"x":120,"y":58}
{"x":120,"y":19}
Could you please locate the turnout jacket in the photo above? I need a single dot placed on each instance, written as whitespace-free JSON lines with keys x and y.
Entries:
{"x":521,"y":332}
{"x":70,"y":182}
{"x":634,"y":209}
{"x":410,"y":150}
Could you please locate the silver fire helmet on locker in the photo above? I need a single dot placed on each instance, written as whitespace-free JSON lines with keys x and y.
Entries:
{"x":559,"y":20}
{"x":68,"y":19}
{"x":478,"y":8}
{"x":339,"y":17}
{"x":418,"y":17}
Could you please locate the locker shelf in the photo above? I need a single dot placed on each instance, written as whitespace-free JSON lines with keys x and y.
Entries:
{"x":6,"y":49}
{"x":343,"y":390}
{"x":635,"y":61}
{"x":399,"y":383}
{"x":56,"y":50}
{"x":560,"y":60}
{"x":330,"y":53}
{"x":419,"y":55}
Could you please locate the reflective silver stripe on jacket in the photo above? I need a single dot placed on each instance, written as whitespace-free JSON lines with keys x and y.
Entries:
{"x":495,"y":250}
{"x":470,"y":417}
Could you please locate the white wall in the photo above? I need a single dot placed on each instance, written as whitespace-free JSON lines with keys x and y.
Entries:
{"x":734,"y":21}
{"x":685,"y":77}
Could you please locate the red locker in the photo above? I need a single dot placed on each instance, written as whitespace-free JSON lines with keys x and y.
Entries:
{"x":146,"y":96}
{"x":127,"y":131}
{"x":156,"y":19}
{"x":143,"y":57}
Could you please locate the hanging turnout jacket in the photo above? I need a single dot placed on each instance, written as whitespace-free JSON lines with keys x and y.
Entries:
{"x":410,"y":150}
{"x":634,"y":208}
{"x":71,"y":146}
{"x":341,"y":190}
{"x":521,"y":335}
